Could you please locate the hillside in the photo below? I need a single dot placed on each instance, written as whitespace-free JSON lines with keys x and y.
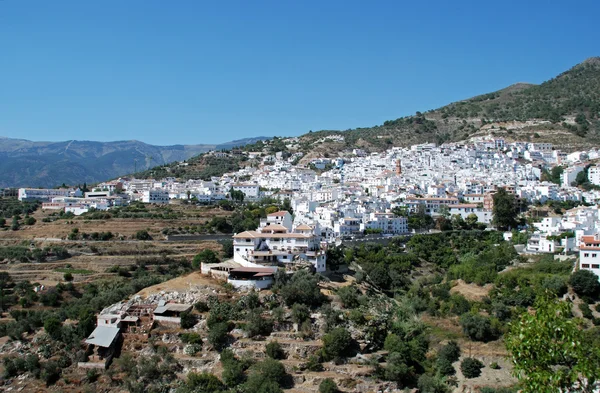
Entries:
{"x":25,"y":163}
{"x":402,"y":316}
{"x":564,"y":110}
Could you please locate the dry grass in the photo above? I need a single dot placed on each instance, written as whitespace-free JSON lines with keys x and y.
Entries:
{"x":471,"y":292}
{"x":181,"y":284}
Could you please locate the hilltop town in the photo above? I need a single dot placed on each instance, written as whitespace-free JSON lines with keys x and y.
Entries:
{"x":359,"y":192}
{"x":299,"y":197}
{"x":319,"y":264}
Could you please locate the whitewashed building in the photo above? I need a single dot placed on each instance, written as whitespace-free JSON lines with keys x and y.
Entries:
{"x":589,"y":254}
{"x":249,"y":190}
{"x":46,"y":194}
{"x":159,"y":197}
{"x":274,"y":243}
{"x":387,"y":223}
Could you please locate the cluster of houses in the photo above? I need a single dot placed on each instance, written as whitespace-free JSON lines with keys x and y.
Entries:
{"x":360,"y":190}
{"x":275,"y":243}
{"x":576,"y":231}
{"x":356,"y":192}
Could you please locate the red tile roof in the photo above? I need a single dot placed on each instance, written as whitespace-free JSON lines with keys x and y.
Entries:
{"x":278,"y":214}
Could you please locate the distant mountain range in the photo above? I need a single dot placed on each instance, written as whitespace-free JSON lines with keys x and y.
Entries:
{"x":25,"y":163}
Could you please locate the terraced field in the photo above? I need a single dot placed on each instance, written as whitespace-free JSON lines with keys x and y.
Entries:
{"x":91,"y":260}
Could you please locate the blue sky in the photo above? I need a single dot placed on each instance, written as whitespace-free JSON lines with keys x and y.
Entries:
{"x":191,"y":71}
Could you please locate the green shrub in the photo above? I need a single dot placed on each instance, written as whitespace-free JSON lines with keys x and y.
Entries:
{"x":555,"y":284}
{"x":337,"y":344}
{"x":193,"y":349}
{"x":430,"y":384}
{"x":457,"y":304}
{"x":203,"y":383}
{"x":446,"y":356}
{"x":313,"y":364}
{"x":188,"y":320}
{"x":205,"y":256}
{"x":53,"y":326}
{"x":92,"y":375}
{"x":450,"y":351}
{"x":13,"y":366}
{"x":233,"y":369}
{"x":300,"y":313}
{"x":501,"y":311}
{"x":586,"y":311}
{"x":278,"y":314}
{"x":479,"y":328}
{"x":585,"y":283}
{"x":471,"y":367}
{"x":220,"y":312}
{"x":50,"y":372}
{"x":495,"y":366}
{"x":349,"y":296}
{"x":398,"y":370}
{"x":257,"y":325}
{"x":249,"y":302}
{"x":218,"y":334}
{"x":445,"y":367}
{"x":302,"y":288}
{"x":332,"y":317}
{"x":473,"y":270}
{"x":328,"y":386}
{"x":143,"y":235}
{"x":201,"y":306}
{"x":266,"y":376}
{"x":357,"y":317}
{"x":274,"y":350}
{"x":191,"y":338}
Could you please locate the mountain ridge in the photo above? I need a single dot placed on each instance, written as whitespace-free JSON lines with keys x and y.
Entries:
{"x":25,"y":163}
{"x":564,"y":110}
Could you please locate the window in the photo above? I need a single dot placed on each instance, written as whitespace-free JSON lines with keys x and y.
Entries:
{"x":237,"y":249}
{"x":585,"y":266}
{"x":595,"y":266}
{"x":586,"y":255}
{"x":593,"y":255}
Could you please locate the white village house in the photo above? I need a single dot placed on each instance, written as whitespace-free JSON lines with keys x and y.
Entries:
{"x":276,"y":243}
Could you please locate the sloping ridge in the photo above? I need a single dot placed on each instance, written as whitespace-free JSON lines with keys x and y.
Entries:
{"x":574,"y":94}
{"x":26,"y":163}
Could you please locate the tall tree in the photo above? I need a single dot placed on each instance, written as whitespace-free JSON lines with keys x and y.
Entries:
{"x":549,"y":352}
{"x":505,"y":209}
